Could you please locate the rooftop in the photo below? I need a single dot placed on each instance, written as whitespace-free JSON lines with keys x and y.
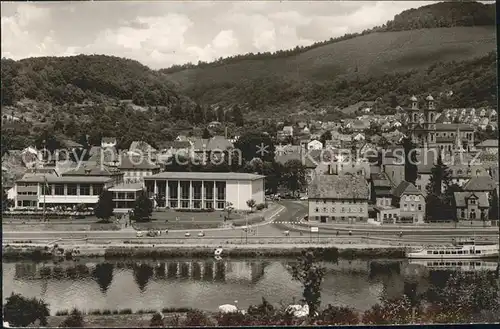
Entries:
{"x":480,"y":183}
{"x":462,"y":197}
{"x":405,"y":188}
{"x":338,"y":187}
{"x":204,"y":176}
{"x":488,"y":143}
{"x":63,"y":179}
{"x":127,"y":187}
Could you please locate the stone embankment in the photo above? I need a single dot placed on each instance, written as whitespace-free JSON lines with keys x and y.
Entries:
{"x":325,"y":251}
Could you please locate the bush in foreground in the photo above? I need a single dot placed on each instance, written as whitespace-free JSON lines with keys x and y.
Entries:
{"x":74,"y":320}
{"x":156,"y":320}
{"x":20,"y":311}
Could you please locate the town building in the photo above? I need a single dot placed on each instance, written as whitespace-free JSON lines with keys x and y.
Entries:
{"x":472,"y":205}
{"x":410,"y":201}
{"x":124,"y":196}
{"x":35,"y":190}
{"x":489,"y":146}
{"x":428,"y":133}
{"x":108,"y":142}
{"x":314,"y":145}
{"x":135,"y":168}
{"x":341,"y":198}
{"x":205,"y":190}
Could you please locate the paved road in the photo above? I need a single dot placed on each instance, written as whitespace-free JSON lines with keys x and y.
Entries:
{"x":293,"y":212}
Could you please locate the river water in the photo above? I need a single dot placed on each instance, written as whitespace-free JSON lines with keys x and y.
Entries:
{"x":205,"y":284}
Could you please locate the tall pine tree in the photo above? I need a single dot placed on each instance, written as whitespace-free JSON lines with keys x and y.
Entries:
{"x":104,"y":207}
{"x":439,"y":202}
{"x":410,"y":160}
{"x":143,"y":208}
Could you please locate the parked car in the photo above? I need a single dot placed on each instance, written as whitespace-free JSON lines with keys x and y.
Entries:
{"x":139,"y":234}
{"x":201,"y":234}
{"x":304,"y":197}
{"x":187,"y":234}
{"x":286,"y":233}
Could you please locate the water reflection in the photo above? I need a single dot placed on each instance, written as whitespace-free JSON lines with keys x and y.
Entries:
{"x":205,"y":284}
{"x":103,"y":274}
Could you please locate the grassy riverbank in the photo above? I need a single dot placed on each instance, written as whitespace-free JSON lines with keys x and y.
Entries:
{"x":279,"y":251}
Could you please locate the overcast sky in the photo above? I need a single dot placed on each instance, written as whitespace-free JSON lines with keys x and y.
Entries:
{"x":160,"y":34}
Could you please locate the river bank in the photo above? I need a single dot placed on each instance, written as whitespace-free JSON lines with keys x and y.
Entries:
{"x":327,"y":252}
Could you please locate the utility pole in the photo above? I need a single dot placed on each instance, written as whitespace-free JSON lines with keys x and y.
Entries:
{"x":246,"y":231}
{"x":44,"y":189}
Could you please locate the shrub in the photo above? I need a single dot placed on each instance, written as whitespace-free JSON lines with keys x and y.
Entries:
{"x":233,"y":319}
{"x":95,"y":312}
{"x":196,"y":318}
{"x":195,"y":210}
{"x":106,"y":312}
{"x":74,"y":320}
{"x":392,"y":311}
{"x":125,"y":311}
{"x":337,"y":315}
{"x":20,"y":311}
{"x":156,"y":320}
{"x":260,"y":206}
{"x":176,"y":309}
{"x":62,"y":312}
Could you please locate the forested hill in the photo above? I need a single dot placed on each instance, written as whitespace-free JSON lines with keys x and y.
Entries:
{"x":441,"y":48}
{"x":439,"y":15}
{"x":97,"y":78}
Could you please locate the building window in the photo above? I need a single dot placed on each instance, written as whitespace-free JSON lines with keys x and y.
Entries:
{"x":361,"y":210}
{"x":343,"y":209}
{"x":419,"y":207}
{"x":221,"y":190}
{"x":59,"y":189}
{"x":197,"y":204}
{"x":385,"y":216}
{"x":96,"y":189}
{"x":184,"y":204}
{"x":419,"y":187}
{"x":333,"y":209}
{"x":472,"y":201}
{"x":19,"y":203}
{"x":173,"y":204}
{"x":209,"y":204}
{"x":221,"y":204}
{"x":405,"y":206}
{"x":472,"y":214}
{"x":317,"y":209}
{"x":324,"y":209}
{"x":462,"y":213}
{"x":72,"y":189}
{"x":84,"y":189}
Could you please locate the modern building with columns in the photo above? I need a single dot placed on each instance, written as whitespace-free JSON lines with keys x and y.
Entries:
{"x":205,"y":190}
{"x":32,"y":191}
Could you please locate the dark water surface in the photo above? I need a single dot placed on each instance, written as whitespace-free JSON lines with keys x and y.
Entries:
{"x":205,"y":284}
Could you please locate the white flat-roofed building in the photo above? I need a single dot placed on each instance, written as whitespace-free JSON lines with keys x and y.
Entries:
{"x":34,"y":190}
{"x":205,"y":190}
{"x":124,"y":196}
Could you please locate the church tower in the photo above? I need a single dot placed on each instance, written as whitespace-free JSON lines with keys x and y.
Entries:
{"x":430,"y":120}
{"x":413,"y":117}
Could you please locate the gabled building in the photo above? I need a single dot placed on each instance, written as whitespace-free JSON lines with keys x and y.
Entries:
{"x":410,"y":201}
{"x":342,"y":198}
{"x":135,"y":168}
{"x":480,"y":184}
{"x":108,"y":142}
{"x":489,"y":146}
{"x":472,"y":205}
